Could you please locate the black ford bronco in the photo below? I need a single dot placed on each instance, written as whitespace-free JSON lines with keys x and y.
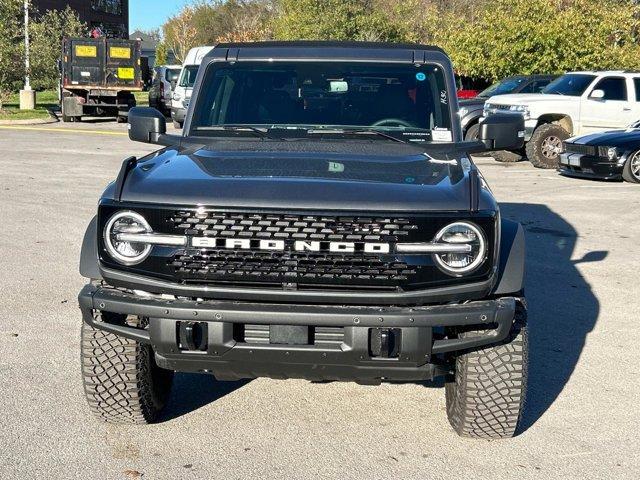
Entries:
{"x":319,"y":218}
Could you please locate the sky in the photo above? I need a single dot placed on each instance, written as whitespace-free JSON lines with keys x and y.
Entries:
{"x":151,"y":14}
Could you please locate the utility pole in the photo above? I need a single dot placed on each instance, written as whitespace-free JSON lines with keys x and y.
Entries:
{"x":27,"y":96}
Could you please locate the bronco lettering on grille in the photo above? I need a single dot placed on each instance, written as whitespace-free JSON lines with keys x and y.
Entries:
{"x":281,"y":245}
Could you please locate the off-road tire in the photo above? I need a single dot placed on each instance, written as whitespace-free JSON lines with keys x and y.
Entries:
{"x":505,"y":156}
{"x":631,"y":163}
{"x":534,"y":147}
{"x":487,"y":397}
{"x":122,"y":382}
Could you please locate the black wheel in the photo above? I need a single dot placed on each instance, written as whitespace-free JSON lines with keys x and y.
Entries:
{"x":177,"y":125}
{"x":504,"y":156}
{"x":67,"y":119}
{"x":122,"y":382}
{"x":487,"y":397}
{"x":631,"y":170}
{"x":545,"y":145}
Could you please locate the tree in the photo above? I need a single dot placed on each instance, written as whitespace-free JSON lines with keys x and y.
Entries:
{"x":335,"y":20}
{"x":542,"y":36}
{"x":233,"y":20}
{"x":162,"y":54}
{"x":47,"y":32}
{"x":180,"y":33}
{"x":11,"y":47}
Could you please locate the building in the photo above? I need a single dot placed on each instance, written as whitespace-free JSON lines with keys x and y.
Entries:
{"x":111,"y":16}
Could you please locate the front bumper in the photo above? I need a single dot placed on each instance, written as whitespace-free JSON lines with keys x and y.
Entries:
{"x":230,"y":357}
{"x":588,"y":166}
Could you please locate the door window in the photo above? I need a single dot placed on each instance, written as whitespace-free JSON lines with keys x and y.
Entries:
{"x":614,"y":88}
{"x":636,"y":84}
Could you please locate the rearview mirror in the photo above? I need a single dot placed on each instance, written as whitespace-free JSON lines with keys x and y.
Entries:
{"x":597,"y":94}
{"x":146,"y":125}
{"x":502,"y":131}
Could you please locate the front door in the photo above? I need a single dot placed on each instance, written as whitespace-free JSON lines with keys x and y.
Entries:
{"x":610,"y":112}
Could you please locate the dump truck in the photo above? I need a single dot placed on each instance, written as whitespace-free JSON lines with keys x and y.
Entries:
{"x":98,"y":77}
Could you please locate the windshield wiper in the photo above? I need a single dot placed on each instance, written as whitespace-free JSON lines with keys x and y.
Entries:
{"x":235,"y":128}
{"x":263,"y":134}
{"x":361,"y":131}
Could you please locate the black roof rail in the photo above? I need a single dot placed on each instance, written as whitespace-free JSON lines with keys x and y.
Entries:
{"x":330,"y":43}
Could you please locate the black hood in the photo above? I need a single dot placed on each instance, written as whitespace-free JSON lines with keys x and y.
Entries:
{"x":624,"y":139}
{"x":354,"y":175}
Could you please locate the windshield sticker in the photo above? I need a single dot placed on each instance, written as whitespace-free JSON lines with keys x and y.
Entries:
{"x":421,"y":77}
{"x":443,"y":97}
{"x":441,"y":135}
{"x":336,"y":167}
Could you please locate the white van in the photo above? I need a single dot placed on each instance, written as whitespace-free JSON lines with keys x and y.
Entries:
{"x":184,"y":87}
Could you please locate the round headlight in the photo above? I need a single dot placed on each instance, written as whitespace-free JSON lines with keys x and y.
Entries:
{"x":460,"y":233}
{"x":127,"y":253}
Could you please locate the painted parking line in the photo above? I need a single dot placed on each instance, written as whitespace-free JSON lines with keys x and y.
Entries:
{"x":65,"y":130}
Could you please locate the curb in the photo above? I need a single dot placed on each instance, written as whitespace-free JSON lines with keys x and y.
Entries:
{"x":35,"y":121}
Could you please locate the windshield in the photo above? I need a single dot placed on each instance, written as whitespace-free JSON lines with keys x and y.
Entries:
{"x":321,"y":95}
{"x":572,"y":84}
{"x":188,"y":77}
{"x":508,"y":85}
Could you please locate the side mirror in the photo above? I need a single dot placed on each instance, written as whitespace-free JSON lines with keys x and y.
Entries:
{"x":597,"y":94}
{"x":502,"y":131}
{"x":146,"y":125}
{"x":173,"y":85}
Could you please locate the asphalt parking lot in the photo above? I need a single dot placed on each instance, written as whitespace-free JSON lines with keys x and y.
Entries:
{"x":584,"y":296}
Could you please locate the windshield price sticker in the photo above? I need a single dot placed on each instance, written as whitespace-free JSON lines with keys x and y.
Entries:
{"x":441,"y":135}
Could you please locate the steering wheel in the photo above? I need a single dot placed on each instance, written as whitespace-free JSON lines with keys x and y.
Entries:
{"x":392,"y":122}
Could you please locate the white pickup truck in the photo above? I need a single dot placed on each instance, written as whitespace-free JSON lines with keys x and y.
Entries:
{"x":574,"y":104}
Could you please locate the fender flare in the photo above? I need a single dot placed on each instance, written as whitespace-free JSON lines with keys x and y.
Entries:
{"x":512,"y":259}
{"x":89,"y":253}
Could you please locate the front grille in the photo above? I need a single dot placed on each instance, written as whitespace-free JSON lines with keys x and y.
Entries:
{"x":247,"y":266}
{"x":289,"y":269}
{"x":240,"y":266}
{"x":580,"y":149}
{"x":292,"y":227}
{"x":319,"y":336}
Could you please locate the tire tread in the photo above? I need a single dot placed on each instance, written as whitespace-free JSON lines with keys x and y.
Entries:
{"x":118,"y":377}
{"x":487,"y":398}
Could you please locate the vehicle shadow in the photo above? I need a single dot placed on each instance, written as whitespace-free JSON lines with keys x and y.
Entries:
{"x":192,"y":391}
{"x":562,"y":306}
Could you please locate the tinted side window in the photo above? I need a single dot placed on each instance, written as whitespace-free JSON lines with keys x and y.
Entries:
{"x":615,"y":88}
{"x":636,"y":83}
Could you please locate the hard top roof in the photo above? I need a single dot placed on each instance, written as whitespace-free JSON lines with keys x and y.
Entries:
{"x":315,"y":49}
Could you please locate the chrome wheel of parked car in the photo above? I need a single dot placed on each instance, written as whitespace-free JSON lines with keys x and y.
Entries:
{"x":551,"y":147}
{"x":631,"y":171}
